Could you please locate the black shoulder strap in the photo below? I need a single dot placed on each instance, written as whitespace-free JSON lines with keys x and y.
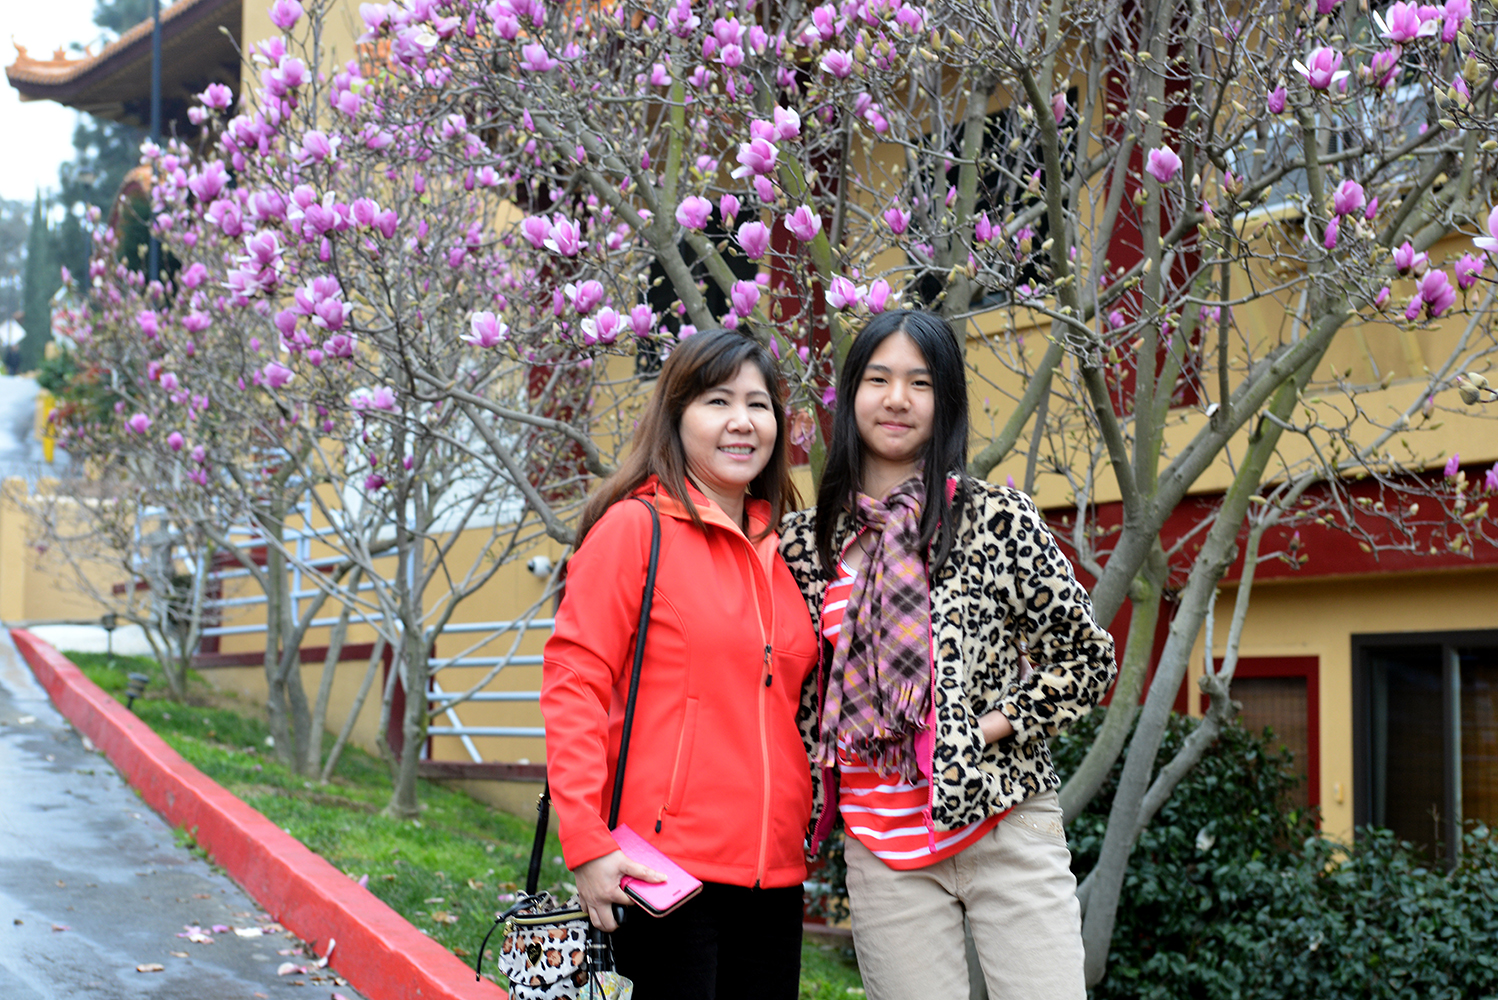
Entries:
{"x":634,"y":672}
{"x":543,"y":804}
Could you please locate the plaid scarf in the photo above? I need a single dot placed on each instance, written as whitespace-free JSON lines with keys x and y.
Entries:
{"x":879,"y":683}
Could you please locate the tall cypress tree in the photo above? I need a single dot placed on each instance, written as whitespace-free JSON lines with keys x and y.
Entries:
{"x":40,"y":282}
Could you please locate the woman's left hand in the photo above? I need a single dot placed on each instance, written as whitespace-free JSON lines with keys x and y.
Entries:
{"x":995,"y":726}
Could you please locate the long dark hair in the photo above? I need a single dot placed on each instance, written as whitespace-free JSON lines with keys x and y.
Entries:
{"x":946,"y":452}
{"x":699,"y":363}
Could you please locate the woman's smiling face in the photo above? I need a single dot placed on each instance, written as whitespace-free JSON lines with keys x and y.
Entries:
{"x":894,"y":407}
{"x":728,"y":434}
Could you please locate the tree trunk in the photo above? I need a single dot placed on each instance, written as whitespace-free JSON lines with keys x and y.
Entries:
{"x":1084,"y":783}
{"x":1102,"y":887}
{"x":403,"y":799}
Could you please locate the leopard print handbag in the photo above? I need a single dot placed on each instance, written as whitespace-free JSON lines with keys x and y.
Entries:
{"x":544,"y":953}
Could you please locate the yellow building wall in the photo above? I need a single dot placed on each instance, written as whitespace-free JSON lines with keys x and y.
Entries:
{"x":1319,"y":617}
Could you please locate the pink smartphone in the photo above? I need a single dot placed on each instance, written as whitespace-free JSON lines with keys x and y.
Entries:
{"x":656,"y":898}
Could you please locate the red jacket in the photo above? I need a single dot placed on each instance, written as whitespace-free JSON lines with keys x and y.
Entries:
{"x":717,"y":776}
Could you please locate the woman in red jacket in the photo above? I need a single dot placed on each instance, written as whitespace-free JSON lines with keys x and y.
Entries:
{"x":717,"y":775}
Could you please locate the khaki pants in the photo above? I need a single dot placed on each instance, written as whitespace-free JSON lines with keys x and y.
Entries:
{"x":1017,"y":889}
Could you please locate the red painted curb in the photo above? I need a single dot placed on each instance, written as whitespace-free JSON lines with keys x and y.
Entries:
{"x":378,"y":951}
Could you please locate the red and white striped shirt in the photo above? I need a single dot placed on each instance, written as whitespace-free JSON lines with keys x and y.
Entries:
{"x":886,"y":813}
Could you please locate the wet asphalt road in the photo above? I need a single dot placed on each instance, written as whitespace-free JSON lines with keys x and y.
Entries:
{"x":92,"y":883}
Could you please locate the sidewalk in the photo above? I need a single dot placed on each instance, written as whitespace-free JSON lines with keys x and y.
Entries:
{"x":92,"y":884}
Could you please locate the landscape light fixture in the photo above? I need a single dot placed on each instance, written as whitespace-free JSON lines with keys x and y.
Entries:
{"x":109,"y":621}
{"x":135,"y":688}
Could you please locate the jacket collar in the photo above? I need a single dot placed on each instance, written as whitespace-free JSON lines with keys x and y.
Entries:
{"x":758,"y":511}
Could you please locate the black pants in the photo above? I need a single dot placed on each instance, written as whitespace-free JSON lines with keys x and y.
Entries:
{"x":727,"y":943}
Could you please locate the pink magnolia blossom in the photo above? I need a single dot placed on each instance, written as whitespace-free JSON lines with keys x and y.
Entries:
{"x":804,"y":224}
{"x":757,"y":157}
{"x":373,"y":482}
{"x":217,"y":96}
{"x":208,"y":183}
{"x":603,"y":328}
{"x":1381,"y":297}
{"x":1117,"y":320}
{"x":659,"y":77}
{"x":1333,"y":230}
{"x":1322,"y":68}
{"x":1436,"y":290}
{"x":1349,"y":197}
{"x":1383,"y":68}
{"x":897,"y":219}
{"x":1468,"y":269}
{"x":838,"y":63}
{"x":878,"y":296}
{"x":534,"y":59}
{"x":486,"y":330}
{"x":754,"y":238}
{"x":1058,"y":106}
{"x":745,"y":296}
{"x":1491,"y":479}
{"x":1371,"y":212}
{"x":1490,"y":241}
{"x":565,"y":237}
{"x":641,"y":320}
{"x":1403,"y":23}
{"x":1453,"y":465}
{"x":680,"y":20}
{"x":1406,"y":259}
{"x":982,"y":229}
{"x":194,"y":275}
{"x":138,"y":423}
{"x":1326,"y":6}
{"x":1163,"y":164}
{"x":728,"y":207}
{"x":842,"y":293}
{"x":787,"y":124}
{"x":1275,"y":100}
{"x":694,"y":211}
{"x":586,"y":295}
{"x":1412,"y":311}
{"x":285,"y":13}
{"x":1453,"y":16}
{"x":276,"y":374}
{"x":175,"y":441}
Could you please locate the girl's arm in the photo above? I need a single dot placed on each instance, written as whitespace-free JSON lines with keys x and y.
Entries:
{"x":1072,"y":653}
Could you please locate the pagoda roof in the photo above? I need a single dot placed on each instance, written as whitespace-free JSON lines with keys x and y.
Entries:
{"x":115,"y":83}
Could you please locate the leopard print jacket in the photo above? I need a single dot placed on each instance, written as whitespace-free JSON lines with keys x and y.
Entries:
{"x":1006,"y":583}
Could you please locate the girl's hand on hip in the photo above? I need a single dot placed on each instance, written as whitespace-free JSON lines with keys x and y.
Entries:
{"x":995,"y":726}
{"x":598,"y":886}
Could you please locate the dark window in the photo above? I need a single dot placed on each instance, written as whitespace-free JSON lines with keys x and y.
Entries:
{"x":1427,"y":735}
{"x":1282,"y":693}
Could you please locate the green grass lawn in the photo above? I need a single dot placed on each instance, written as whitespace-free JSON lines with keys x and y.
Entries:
{"x":447,"y":872}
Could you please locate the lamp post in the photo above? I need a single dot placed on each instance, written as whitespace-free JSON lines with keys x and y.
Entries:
{"x":109,"y":621}
{"x":153,"y":262}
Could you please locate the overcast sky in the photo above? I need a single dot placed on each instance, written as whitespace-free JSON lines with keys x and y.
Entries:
{"x":38,"y":134}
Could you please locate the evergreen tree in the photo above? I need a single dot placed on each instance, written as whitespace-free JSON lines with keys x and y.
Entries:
{"x":41,"y":281}
{"x":119,"y":16}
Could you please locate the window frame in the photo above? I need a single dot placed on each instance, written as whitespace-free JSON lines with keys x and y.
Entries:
{"x":1449,"y":642}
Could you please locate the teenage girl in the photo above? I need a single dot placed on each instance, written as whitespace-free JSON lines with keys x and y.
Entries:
{"x":926,"y":729}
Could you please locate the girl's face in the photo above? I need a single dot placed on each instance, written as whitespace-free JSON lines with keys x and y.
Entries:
{"x":894,"y":406}
{"x":728,"y":433}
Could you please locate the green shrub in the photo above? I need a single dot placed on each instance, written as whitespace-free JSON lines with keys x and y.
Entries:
{"x":1231,"y":895}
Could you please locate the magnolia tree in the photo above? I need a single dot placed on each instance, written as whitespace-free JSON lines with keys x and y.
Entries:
{"x":414,"y":287}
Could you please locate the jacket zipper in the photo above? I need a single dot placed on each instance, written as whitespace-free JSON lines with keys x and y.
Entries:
{"x":764,"y":737}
